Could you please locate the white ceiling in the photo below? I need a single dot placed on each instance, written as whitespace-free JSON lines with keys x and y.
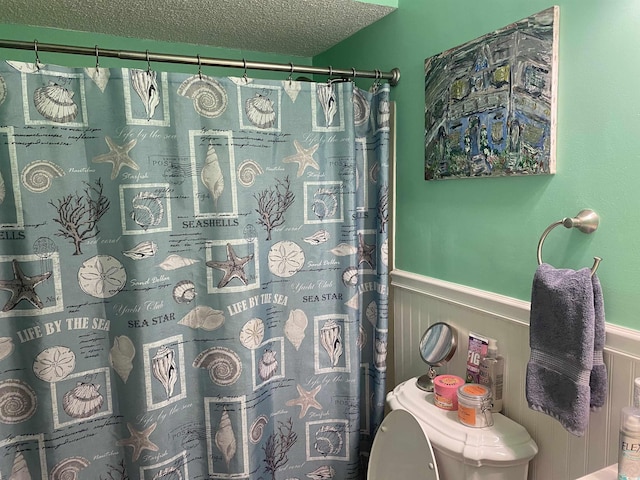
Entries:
{"x":291,"y":27}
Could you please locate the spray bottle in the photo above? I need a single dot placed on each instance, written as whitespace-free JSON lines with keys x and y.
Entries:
{"x":492,"y":374}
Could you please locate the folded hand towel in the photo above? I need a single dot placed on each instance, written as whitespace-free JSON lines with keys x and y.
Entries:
{"x":562,"y":341}
{"x":599,"y":383}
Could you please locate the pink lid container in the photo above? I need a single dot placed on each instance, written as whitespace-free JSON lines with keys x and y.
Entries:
{"x":446,"y":391}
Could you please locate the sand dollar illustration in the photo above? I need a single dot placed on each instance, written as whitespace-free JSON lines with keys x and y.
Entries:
{"x":54,"y":364}
{"x":285,"y":259}
{"x":252,"y":333}
{"x":102,"y":276}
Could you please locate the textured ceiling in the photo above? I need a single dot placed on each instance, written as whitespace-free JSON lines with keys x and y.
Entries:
{"x":291,"y":27}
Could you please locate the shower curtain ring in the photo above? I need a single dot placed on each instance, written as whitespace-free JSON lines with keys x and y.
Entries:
{"x":246,"y":79}
{"x":354,"y":74}
{"x":35,"y":48}
{"x":97,"y":61}
{"x":199,"y":67}
{"x":291,"y":74}
{"x":148,"y":62}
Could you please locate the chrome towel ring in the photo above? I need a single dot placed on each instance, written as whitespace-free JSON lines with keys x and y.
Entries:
{"x":586,"y":221}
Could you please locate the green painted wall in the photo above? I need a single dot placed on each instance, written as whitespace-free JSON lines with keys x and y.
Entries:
{"x":484,"y":232}
{"x":85,"y":39}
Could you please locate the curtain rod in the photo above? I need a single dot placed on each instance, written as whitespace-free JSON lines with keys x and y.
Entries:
{"x":393,"y":76}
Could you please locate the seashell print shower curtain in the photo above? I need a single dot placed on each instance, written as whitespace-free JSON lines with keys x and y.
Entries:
{"x":193,"y":275}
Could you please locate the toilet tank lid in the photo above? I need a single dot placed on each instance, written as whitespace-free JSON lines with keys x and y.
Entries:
{"x":505,"y":443}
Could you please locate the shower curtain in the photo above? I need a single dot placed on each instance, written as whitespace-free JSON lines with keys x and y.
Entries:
{"x":193,"y":275}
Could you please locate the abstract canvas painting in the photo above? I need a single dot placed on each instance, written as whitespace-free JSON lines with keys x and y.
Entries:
{"x":490,"y":104}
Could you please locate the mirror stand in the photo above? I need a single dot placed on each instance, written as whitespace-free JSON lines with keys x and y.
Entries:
{"x":425,"y":382}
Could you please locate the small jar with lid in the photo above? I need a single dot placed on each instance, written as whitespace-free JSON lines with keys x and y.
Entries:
{"x":474,"y":405}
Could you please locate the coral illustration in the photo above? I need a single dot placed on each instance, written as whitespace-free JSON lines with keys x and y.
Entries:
{"x":273,"y":203}
{"x":116,"y":472}
{"x":383,"y":207}
{"x":78,"y":214}
{"x":277,"y":446}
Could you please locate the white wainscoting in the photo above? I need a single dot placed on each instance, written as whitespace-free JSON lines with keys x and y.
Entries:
{"x":420,"y":301}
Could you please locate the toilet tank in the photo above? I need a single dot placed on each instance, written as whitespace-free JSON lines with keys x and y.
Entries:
{"x":499,"y":452}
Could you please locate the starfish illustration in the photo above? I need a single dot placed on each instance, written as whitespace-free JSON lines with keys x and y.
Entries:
{"x":118,"y":156}
{"x":306,"y":400}
{"x":139,"y":440}
{"x":22,"y":287}
{"x":233,"y":267}
{"x":365,"y":252}
{"x":303,"y":157}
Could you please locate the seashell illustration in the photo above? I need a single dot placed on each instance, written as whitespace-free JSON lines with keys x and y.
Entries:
{"x":267,"y":365}
{"x":327,"y":98}
{"x":203,"y":317}
{"x":331,"y":341}
{"x":184,"y":291}
{"x":102,"y":276}
{"x":145,"y":249}
{"x":211,"y":175}
{"x":383,"y":114}
{"x":68,"y":468}
{"x":99,"y":76}
{"x":372,"y":313}
{"x":292,"y":89}
{"x":353,"y":302}
{"x":317,"y":238}
{"x":3,"y":189}
{"x":83,"y":400}
{"x":55,"y":103}
{"x":209,"y":97}
{"x":20,"y":469}
{"x":295,"y":326}
{"x":257,"y":428}
{"x":225,"y":439}
{"x":3,"y":90}
{"x":148,"y":210}
{"x":325,"y":203}
{"x":373,"y":172}
{"x":248,"y":171}
{"x":328,"y":440}
{"x":344,"y":249}
{"x":145,"y":85}
{"x":173,"y":262}
{"x":26,"y":67}
{"x":260,"y":112}
{"x":163,"y":367}
{"x":361,"y":341}
{"x":384,"y":252}
{"x":18,"y":401}
{"x":252,"y":333}
{"x":361,"y":109}
{"x":169,"y":473}
{"x":54,"y":364}
{"x":121,"y":356}
{"x":224,"y":365}
{"x":380,"y":354}
{"x":350,"y":277}
{"x":6,"y":347}
{"x":37,"y":176}
{"x":322,"y":473}
{"x":285,"y":259}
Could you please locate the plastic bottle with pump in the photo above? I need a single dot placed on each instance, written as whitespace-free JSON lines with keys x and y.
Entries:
{"x":629,"y":443}
{"x":492,"y":374}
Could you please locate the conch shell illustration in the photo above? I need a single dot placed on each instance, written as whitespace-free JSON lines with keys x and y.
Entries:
{"x":268,"y":365}
{"x":203,"y":317}
{"x":55,"y":103}
{"x":173,"y":262}
{"x":145,"y":85}
{"x":211,"y":175}
{"x":82,"y":401}
{"x":322,"y":473}
{"x":331,"y":341}
{"x":380,"y":356}
{"x":145,"y":249}
{"x":317,"y":238}
{"x":327,"y":98}
{"x":68,"y":468}
{"x":20,"y":469}
{"x":164,"y":369}
{"x":121,"y":356}
{"x":225,"y":438}
{"x":295,"y":326}
{"x":6,"y":347}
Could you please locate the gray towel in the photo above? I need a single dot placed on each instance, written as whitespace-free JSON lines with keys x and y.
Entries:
{"x":562,"y":340}
{"x":599,"y":382}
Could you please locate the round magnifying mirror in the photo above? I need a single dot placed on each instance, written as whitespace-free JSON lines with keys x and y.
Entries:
{"x":437,"y":346}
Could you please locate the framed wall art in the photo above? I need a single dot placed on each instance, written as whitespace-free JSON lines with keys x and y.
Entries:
{"x":490,"y":104}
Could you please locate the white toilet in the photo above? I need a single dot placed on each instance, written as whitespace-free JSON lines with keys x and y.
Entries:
{"x":420,"y":441}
